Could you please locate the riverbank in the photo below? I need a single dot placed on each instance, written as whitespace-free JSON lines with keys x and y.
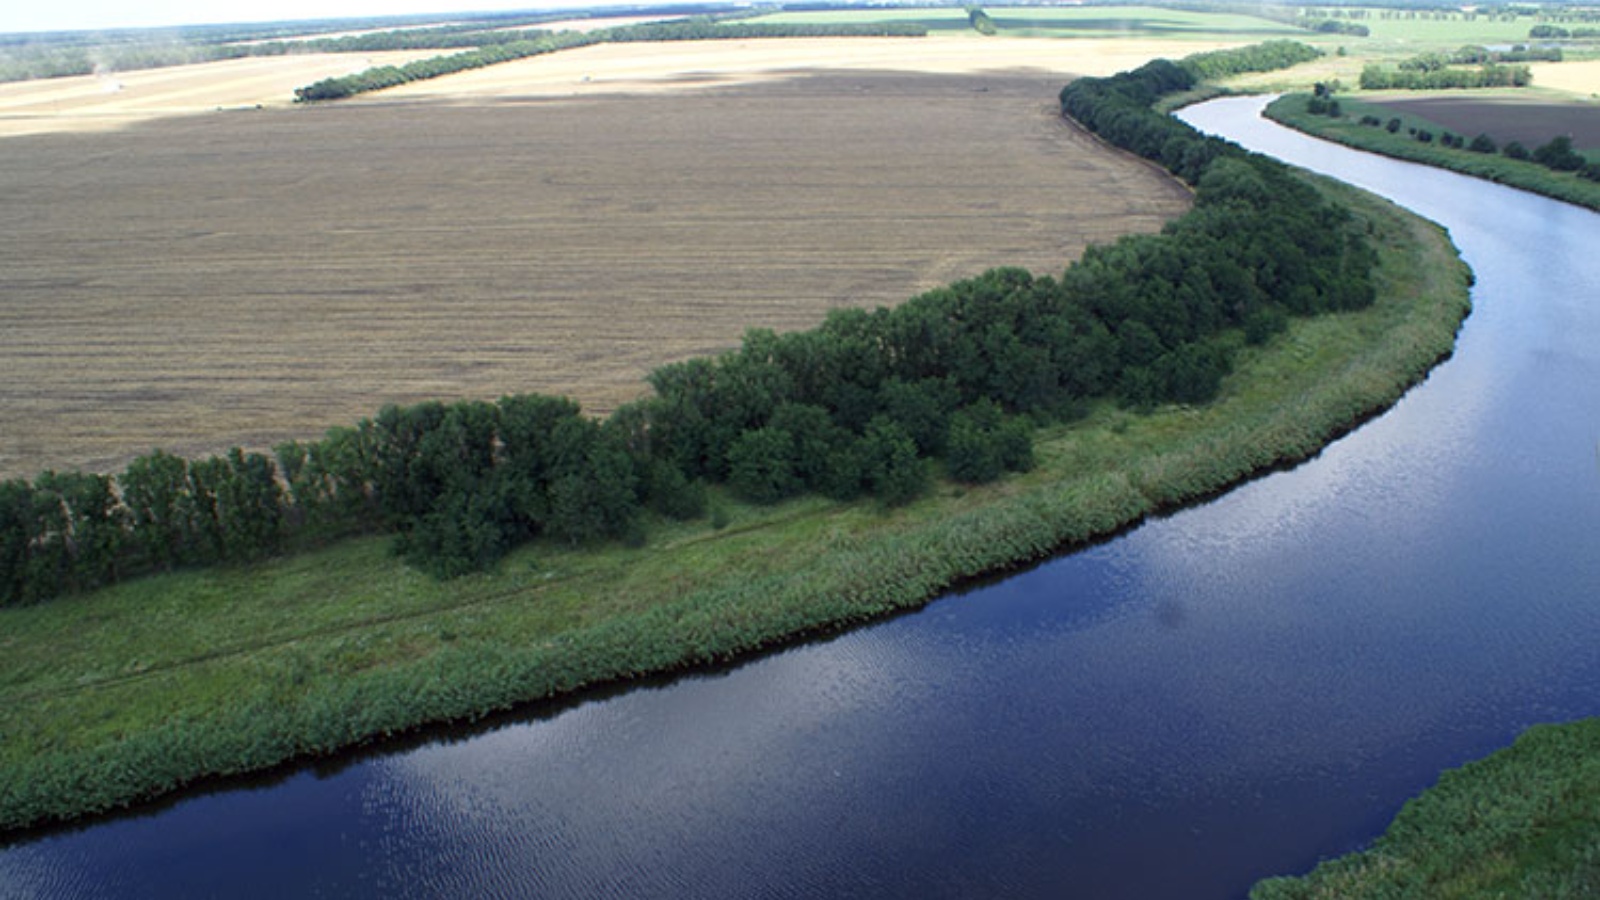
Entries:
{"x":131,"y":693}
{"x":1523,"y":822}
{"x":1290,"y":110}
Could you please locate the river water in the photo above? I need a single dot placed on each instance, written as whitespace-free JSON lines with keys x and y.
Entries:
{"x":1231,"y":692}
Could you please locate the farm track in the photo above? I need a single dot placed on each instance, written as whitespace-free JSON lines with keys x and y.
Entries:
{"x":198,"y":282}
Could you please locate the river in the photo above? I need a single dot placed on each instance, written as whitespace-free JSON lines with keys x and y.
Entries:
{"x":1227,"y":693}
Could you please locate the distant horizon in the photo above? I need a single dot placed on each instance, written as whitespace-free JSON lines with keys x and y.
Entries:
{"x":113,"y":15}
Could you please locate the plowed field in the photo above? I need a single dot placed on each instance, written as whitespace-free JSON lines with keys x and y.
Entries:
{"x":196,"y":282}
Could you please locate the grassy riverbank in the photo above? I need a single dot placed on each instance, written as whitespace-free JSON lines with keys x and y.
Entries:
{"x":1290,"y":110}
{"x":1524,"y":822}
{"x":132,"y":692}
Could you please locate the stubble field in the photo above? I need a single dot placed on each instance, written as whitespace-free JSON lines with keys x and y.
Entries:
{"x":197,"y":282}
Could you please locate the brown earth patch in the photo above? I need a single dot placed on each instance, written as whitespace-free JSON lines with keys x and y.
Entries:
{"x":204,"y":281}
{"x":1505,"y":118}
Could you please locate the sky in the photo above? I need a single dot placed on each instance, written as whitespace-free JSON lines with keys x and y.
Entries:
{"x":83,"y":15}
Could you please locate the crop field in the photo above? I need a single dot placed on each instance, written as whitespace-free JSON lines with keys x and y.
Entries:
{"x":114,"y":100}
{"x":1134,"y":22}
{"x":1532,"y":120}
{"x":200,"y":281}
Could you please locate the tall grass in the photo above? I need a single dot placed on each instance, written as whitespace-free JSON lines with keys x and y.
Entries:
{"x":132,"y":692}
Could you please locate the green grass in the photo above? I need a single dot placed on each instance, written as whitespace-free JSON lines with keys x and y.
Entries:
{"x":1529,"y":176}
{"x":129,"y":693}
{"x":1453,"y":30}
{"x":1523,"y":823}
{"x":1060,"y":22}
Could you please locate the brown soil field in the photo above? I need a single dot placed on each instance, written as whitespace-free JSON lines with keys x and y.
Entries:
{"x":1531,"y":120}
{"x":196,"y":282}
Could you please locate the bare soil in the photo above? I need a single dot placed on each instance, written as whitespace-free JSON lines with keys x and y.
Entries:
{"x":197,"y":282}
{"x":1532,"y":121}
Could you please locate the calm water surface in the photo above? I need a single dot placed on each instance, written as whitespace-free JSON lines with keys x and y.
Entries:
{"x":1228,"y":693}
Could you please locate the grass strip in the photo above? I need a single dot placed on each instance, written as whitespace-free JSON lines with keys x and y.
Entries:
{"x":130,"y":693}
{"x":1290,"y":110}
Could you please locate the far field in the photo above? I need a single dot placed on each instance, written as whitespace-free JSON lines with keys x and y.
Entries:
{"x":244,"y":277}
{"x":118,"y":99}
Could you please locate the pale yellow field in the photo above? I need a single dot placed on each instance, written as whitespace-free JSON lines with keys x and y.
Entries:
{"x":1572,"y":77}
{"x":610,"y":68}
{"x":98,"y":103}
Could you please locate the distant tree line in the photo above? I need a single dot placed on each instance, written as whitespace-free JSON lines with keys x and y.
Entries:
{"x":1420,"y":76}
{"x":1556,"y":32}
{"x":380,"y":77}
{"x":1265,"y":57}
{"x":1335,"y":26}
{"x":869,"y":404}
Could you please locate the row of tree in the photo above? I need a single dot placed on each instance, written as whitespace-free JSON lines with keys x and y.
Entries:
{"x":380,"y":77}
{"x":1381,"y":78}
{"x":870,"y":403}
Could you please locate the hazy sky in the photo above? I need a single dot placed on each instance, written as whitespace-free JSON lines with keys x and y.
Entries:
{"x":74,"y":15}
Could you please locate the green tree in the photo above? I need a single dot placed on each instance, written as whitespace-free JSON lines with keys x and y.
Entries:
{"x":251,"y":504}
{"x":16,"y":536}
{"x":761,"y":465}
{"x":96,"y":525}
{"x":153,"y":490}
{"x":894,"y":472}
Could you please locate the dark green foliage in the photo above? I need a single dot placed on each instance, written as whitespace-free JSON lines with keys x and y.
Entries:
{"x":893,"y":471}
{"x":1514,"y":150}
{"x":1264,"y":57}
{"x":762,"y":465}
{"x":1483,"y":144}
{"x":1559,"y":155}
{"x":1429,"y":74}
{"x":670,"y":493}
{"x":153,"y":490}
{"x":984,"y":444}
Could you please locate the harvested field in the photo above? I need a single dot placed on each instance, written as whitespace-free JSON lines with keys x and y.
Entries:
{"x":104,"y":102}
{"x":197,"y":282}
{"x":1573,"y":76}
{"x":1530,"y":120}
{"x":635,"y":68}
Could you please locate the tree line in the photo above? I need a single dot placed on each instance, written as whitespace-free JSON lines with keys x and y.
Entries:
{"x":1421,"y":77}
{"x":872,"y":403}
{"x":506,"y":50}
